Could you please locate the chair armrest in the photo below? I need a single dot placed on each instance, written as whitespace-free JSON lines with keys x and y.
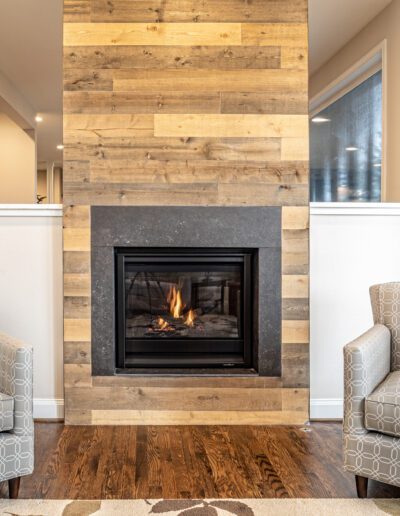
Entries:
{"x":366,"y":364}
{"x":16,"y":367}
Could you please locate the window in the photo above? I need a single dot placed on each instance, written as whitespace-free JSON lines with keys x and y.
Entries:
{"x":346,"y":146}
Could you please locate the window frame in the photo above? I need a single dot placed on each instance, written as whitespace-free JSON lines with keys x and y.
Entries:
{"x":372,"y":62}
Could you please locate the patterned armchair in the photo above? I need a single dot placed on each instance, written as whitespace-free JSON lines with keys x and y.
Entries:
{"x":16,"y":420}
{"x":371,"y":423}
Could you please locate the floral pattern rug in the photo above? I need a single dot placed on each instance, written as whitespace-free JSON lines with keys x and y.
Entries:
{"x":218,"y":507}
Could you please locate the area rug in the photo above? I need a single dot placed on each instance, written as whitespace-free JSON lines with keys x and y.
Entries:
{"x":243,"y":507}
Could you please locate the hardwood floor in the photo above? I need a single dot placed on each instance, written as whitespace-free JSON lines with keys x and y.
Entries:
{"x":93,"y":462}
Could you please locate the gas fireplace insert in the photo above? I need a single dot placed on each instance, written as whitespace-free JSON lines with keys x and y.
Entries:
{"x":184,"y":308}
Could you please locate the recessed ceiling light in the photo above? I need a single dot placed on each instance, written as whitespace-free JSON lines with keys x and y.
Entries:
{"x":38,"y":118}
{"x":320,"y":120}
{"x":60,"y":147}
{"x":351,"y":149}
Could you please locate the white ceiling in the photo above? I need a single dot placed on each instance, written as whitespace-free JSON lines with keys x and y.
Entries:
{"x":31,"y":51}
{"x":31,"y":58}
{"x":335,"y":22}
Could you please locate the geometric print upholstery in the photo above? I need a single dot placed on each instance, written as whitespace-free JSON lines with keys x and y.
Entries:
{"x":6,"y":412}
{"x":16,"y":444}
{"x":382,"y":407}
{"x":366,"y":365}
{"x":373,"y":455}
{"x":385,"y":301}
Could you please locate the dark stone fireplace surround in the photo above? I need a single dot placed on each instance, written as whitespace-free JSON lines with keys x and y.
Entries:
{"x":256,"y":228}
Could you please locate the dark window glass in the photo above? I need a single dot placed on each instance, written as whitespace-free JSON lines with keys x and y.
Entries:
{"x":346,"y":146}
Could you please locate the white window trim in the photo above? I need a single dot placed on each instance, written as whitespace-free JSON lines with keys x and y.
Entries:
{"x":361,"y":70}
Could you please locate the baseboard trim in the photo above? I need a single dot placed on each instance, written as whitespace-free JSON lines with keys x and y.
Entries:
{"x":48,"y":408}
{"x":326,"y":408}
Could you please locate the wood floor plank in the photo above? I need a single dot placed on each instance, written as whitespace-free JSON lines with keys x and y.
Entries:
{"x":94,"y":462}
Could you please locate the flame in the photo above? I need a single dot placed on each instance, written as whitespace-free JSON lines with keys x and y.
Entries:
{"x":163,"y":325}
{"x":191,"y":316}
{"x":175,"y":303}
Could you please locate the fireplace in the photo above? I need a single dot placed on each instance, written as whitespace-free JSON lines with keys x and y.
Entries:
{"x":184,"y":307}
{"x":180,"y":290}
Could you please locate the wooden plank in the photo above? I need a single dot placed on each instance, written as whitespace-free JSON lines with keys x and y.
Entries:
{"x":108,"y":126}
{"x":262,"y":194}
{"x":293,"y":58}
{"x":295,"y":332}
{"x":266,"y":81}
{"x":76,"y":307}
{"x":138,"y":102}
{"x":294,"y":286}
{"x":181,"y":382}
{"x":295,"y":309}
{"x":295,"y":102}
{"x":295,"y":399}
{"x":77,"y":10}
{"x":76,"y":262}
{"x":76,"y":239}
{"x":81,"y":34}
{"x":77,"y":375}
{"x":76,"y":170}
{"x":150,"y":57}
{"x":295,"y":365}
{"x":183,"y":417}
{"x":295,"y":217}
{"x":295,"y":263}
{"x":77,"y":330}
{"x":229,"y":125}
{"x":76,"y":217}
{"x":87,"y":80}
{"x":295,"y":149}
{"x":165,"y":398}
{"x":155,"y":171}
{"x":141,"y":194}
{"x":195,"y":11}
{"x":138,"y":153}
{"x":77,"y":352}
{"x":76,"y":284}
{"x":275,"y":34}
{"x":295,"y":240}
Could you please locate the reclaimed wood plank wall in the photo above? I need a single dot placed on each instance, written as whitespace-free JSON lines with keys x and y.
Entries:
{"x":185,"y":102}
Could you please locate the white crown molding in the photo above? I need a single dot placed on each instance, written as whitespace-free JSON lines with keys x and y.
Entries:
{"x":355,"y":208}
{"x":31,"y":210}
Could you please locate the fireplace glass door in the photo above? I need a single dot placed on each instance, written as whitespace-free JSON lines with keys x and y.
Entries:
{"x":183,"y":309}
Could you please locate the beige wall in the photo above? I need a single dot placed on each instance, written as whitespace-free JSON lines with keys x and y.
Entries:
{"x":385,"y":26}
{"x":17,"y":164}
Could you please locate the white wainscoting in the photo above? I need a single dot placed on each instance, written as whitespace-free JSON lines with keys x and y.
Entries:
{"x":352,"y":246}
{"x":31,"y":295}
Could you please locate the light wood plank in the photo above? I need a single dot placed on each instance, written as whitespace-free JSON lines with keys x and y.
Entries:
{"x":295,"y":149}
{"x":81,"y":34}
{"x":118,"y":126}
{"x":294,"y":58}
{"x":271,"y":34}
{"x":76,"y":239}
{"x":295,"y":217}
{"x":183,"y":417}
{"x":295,"y":399}
{"x":76,"y":284}
{"x":266,"y":81}
{"x":294,"y":286}
{"x":77,"y":375}
{"x":77,"y":330}
{"x":230,"y":125}
{"x":295,"y":332}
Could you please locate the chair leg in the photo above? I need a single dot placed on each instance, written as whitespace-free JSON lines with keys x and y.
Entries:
{"x":362,"y":486}
{"x":13,"y":487}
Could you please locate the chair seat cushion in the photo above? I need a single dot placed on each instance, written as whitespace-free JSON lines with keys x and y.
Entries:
{"x":6,"y":412}
{"x":382,"y":407}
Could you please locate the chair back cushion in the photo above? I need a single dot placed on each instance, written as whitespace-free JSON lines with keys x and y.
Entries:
{"x":385,"y":300}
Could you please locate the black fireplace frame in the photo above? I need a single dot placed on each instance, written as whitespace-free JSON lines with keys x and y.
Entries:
{"x":241,"y":227}
{"x":172,"y":353}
